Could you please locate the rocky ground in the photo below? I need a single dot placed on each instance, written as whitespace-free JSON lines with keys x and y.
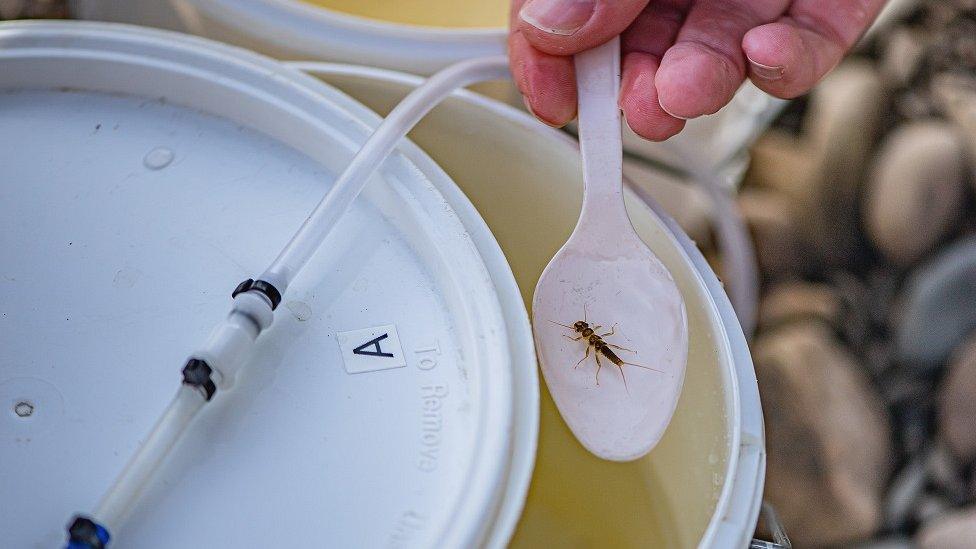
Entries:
{"x":33,"y":9}
{"x":860,"y":201}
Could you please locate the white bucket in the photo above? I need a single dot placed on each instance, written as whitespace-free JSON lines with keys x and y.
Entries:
{"x":145,"y":175}
{"x":702,"y":485}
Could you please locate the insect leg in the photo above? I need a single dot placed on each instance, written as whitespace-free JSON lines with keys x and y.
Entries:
{"x":586,"y":356}
{"x":611,"y":332}
{"x":598,"y":366}
{"x":573,"y":338}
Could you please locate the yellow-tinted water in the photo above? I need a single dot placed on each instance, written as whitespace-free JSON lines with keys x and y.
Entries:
{"x":529,"y":194}
{"x":427,"y":13}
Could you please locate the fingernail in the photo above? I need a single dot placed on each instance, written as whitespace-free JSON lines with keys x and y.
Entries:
{"x":528,"y":107}
{"x":562,"y":17}
{"x":767,"y":72}
{"x":665,"y":109}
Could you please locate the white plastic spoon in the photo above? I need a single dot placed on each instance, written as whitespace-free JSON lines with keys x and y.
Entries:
{"x":606,"y":276}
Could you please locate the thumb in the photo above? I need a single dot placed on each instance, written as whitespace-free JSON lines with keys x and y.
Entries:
{"x":566,"y":27}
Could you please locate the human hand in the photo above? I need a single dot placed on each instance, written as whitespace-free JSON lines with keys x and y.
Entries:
{"x":680,"y":58}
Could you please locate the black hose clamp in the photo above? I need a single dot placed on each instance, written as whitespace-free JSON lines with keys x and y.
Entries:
{"x":266,"y":288}
{"x":197,"y":373}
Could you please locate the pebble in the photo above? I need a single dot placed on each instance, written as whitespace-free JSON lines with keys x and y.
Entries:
{"x":957,"y":403}
{"x":956,"y":530}
{"x":779,"y":162}
{"x":937,"y":311}
{"x":903,"y":52}
{"x":916,"y":190}
{"x":828,"y":441}
{"x":840,"y":128}
{"x":779,"y":250}
{"x":955,"y":95}
{"x":786,"y":302}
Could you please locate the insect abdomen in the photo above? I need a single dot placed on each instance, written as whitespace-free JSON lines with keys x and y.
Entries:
{"x":611,"y":356}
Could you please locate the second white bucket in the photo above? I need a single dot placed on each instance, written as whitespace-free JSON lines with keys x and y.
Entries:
{"x":702,"y":486}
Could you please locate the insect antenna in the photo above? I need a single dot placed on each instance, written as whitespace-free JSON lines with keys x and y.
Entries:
{"x":563,"y":325}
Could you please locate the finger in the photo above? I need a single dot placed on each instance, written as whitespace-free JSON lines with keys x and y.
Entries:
{"x":643,"y":44}
{"x":788,"y":57}
{"x":566,"y":27}
{"x":639,"y":100}
{"x":705,"y":67}
{"x":547,"y":82}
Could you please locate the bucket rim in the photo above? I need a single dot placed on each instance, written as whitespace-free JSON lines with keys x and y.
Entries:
{"x":296,"y":14}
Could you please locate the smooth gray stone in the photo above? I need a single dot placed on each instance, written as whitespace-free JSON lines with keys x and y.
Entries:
{"x":939,"y":306}
{"x":956,"y":530}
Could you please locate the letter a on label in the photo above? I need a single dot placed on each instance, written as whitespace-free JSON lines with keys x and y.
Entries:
{"x":371,"y":349}
{"x":375,"y":344}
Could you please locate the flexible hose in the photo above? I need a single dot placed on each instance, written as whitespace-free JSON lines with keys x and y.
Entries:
{"x":121,"y":498}
{"x":379,"y":145}
{"x":734,"y":242}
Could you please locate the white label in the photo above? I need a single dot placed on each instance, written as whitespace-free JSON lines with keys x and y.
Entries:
{"x":371,"y":349}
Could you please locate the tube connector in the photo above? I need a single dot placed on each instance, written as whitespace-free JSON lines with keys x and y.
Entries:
{"x":229,"y":345}
{"x":84,"y":533}
{"x":197,"y":373}
{"x":265,"y":288}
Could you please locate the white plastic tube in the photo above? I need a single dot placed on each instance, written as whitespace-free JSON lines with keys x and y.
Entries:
{"x":379,"y":145}
{"x":122,"y":497}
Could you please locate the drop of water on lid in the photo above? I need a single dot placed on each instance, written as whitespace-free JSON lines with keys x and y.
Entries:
{"x":300,"y":310}
{"x":24,"y":409}
{"x":158,"y":158}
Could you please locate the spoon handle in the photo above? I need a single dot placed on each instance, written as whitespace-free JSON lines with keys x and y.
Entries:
{"x":598,"y":82}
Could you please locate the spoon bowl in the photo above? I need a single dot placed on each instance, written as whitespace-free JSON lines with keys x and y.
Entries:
{"x":617,"y":392}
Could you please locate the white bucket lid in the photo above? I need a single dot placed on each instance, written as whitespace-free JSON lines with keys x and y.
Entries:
{"x":145,"y":174}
